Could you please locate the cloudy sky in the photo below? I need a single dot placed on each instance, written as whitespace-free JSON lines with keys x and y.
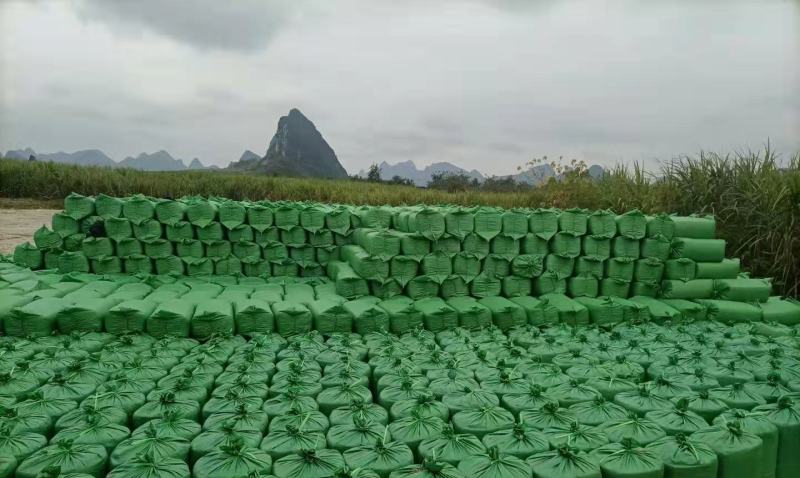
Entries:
{"x":486,"y":84}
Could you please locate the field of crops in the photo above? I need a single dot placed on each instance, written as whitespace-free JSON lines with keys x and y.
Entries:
{"x":210,"y":338}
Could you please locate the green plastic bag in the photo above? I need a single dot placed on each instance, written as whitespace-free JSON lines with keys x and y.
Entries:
{"x":171,"y":318}
{"x":236,"y":459}
{"x":738,"y":451}
{"x":699,"y":250}
{"x":743,"y":289}
{"x":382,"y":457}
{"x":45,"y":239}
{"x":169,"y":211}
{"x":760,"y":425}
{"x":685,"y":457}
{"x":73,"y":262}
{"x":658,"y":247}
{"x":602,"y":223}
{"x":519,"y":441}
{"x":107,"y":206}
{"x":726,"y":269}
{"x":213,"y":316}
{"x":322,"y":462}
{"x":627,"y":459}
{"x":37,"y":318}
{"x":450,"y":447}
{"x":564,"y":463}
{"x":69,"y":456}
{"x":28,"y":255}
{"x":632,"y":224}
{"x":149,"y":465}
{"x":785,"y":414}
{"x":492,"y":464}
{"x":259,"y":217}
{"x":596,"y":246}
{"x":65,"y":225}
{"x":689,"y":290}
{"x":291,"y":318}
{"x":694,"y":226}
{"x":488,"y":222}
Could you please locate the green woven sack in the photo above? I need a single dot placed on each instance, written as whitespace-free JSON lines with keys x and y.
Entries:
{"x":781,"y":311}
{"x":738,"y":451}
{"x":201,"y":212}
{"x":549,"y":283}
{"x":231,"y":214}
{"x":249,"y":251}
{"x":544,"y":223}
{"x":515,"y":286}
{"x":693,"y":289}
{"x":308,"y":463}
{"x":291,"y":318}
{"x":621,"y":268}
{"x":72,"y":243}
{"x":50,"y":258}
{"x":64,"y":224}
{"x":78,"y":207}
{"x":632,"y":224}
{"x":138,"y":209}
{"x":758,"y":424}
{"x":505,"y":313}
{"x":169,"y":265}
{"x":253,"y":317}
{"x":213,"y":316}
{"x":275,"y":252}
{"x":475,"y":244}
{"x":459,"y":222}
{"x":493,"y":464}
{"x":118,"y":228}
{"x":242,"y":232}
{"x":726,"y":269}
{"x":561,"y":266}
{"x":210,"y":232}
{"x":648,"y":270}
{"x":179,"y":231}
{"x":685,"y":457}
{"x":366,"y":266}
{"x":515,"y":223}
{"x":450,"y":447}
{"x":436,"y":314}
{"x":566,"y":244}
{"x":690,"y":310}
{"x":171,"y":318}
{"x":590,"y":265}
{"x":403,"y":316}
{"x":147,"y":230}
{"x":156,"y":248}
{"x":338,"y":219}
{"x":680,"y":269}
{"x":295,"y":236}
{"x":658,"y":247}
{"x":485,"y":285}
{"x":236,"y":459}
{"x":421,"y":287}
{"x":622,"y":246}
{"x":700,"y":250}
{"x":330,"y":316}
{"x":73,"y":262}
{"x":198,"y":266}
{"x":380,"y":457}
{"x":583,"y":286}
{"x":170,"y":212}
{"x":348,"y":284}
{"x":28,"y":255}
{"x":129,"y":247}
{"x":785,"y":415}
{"x":286,"y":267}
{"x":149,"y":465}
{"x":367,"y":316}
{"x":381,"y":243}
{"x":660,"y":224}
{"x":414,"y":245}
{"x":190,"y":248}
{"x":488,"y":222}
{"x":449,"y":245}
{"x":533,"y":244}
{"x":471,"y":314}
{"x":694,"y":226}
{"x":46,"y":239}
{"x":68,"y":456}
{"x":259,"y":216}
{"x":743,"y":289}
{"x":602,"y":223}
{"x":466,"y":266}
{"x":107,"y":206}
{"x":504,"y":245}
{"x":128,"y":316}
{"x":596,"y":246}
{"x":528,"y":265}
{"x":564,"y":463}
{"x":84,"y":316}
{"x":627,"y":459}
{"x":659,"y":311}
{"x":576,"y":436}
{"x":138,"y":263}
{"x":437,"y":266}
{"x":574,"y":220}
{"x":427,"y":222}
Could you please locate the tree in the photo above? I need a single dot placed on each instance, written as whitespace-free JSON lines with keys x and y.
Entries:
{"x":374,"y":173}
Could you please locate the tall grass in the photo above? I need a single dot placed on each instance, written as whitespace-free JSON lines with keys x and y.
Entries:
{"x":755,"y":198}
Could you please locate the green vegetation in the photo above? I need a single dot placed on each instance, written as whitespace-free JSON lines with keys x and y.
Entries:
{"x":756,"y":198}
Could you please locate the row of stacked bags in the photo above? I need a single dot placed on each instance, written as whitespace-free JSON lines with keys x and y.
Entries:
{"x":701,"y":400}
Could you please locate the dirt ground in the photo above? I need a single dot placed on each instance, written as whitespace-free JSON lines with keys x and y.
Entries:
{"x":18,"y":226}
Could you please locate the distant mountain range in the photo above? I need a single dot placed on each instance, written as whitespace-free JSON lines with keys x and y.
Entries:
{"x":421,"y":177}
{"x":158,"y":161}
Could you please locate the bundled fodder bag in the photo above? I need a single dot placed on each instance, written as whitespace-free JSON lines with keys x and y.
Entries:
{"x":488,"y":222}
{"x":694,"y":226}
{"x":565,"y":463}
{"x":148,"y":230}
{"x":437,"y":266}
{"x":658,"y":247}
{"x":759,"y":425}
{"x":45,"y":239}
{"x":155,"y":248}
{"x":685,"y":457}
{"x":725,"y":269}
{"x":149,"y":465}
{"x":258,"y":216}
{"x":583,"y":286}
{"x":738,"y":451}
{"x":482,"y":421}
{"x":602,"y":223}
{"x":743,"y":289}
{"x":107,"y":265}
{"x":214,"y":316}
{"x":201,"y":212}
{"x":494,"y":464}
{"x":658,"y":311}
{"x":471,"y":314}
{"x":459,"y":222}
{"x":253,"y":317}
{"x":73,"y":262}
{"x":515,"y":223}
{"x":632,"y":224}
{"x":28,"y":255}
{"x":567,"y":310}
{"x":108,"y":207}
{"x":543,"y":223}
{"x":596,"y":247}
{"x":330,"y":316}
{"x":69,"y":457}
{"x":171,"y":317}
{"x":450,"y":447}
{"x":528,"y":265}
{"x":680,"y":269}
{"x":280,"y":443}
{"x":37,"y":318}
{"x":648,"y":270}
{"x":577,"y":436}
{"x":65,"y":225}
{"x":403,"y":315}
{"x":79,"y":207}
{"x":622,"y":246}
{"x":574,"y":221}
{"x":699,"y":250}
{"x":381,"y":243}
{"x":603,"y":310}
{"x":231,"y":213}
{"x":437,"y":315}
{"x":693,"y":289}
{"x":236,"y":459}
{"x":628,"y":459}
{"x":428,"y":469}
{"x":170,"y":212}
{"x":566,"y":244}
{"x":505,"y":313}
{"x":781,"y":311}
{"x":727,"y":311}
{"x":169,"y":265}
{"x":785,"y":415}
{"x":291,"y":318}
{"x":85,"y":315}
{"x":321,"y":462}
{"x":138,"y":209}
{"x":366,"y":266}
{"x":382,"y":457}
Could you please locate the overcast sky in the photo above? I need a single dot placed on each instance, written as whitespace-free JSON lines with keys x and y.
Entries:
{"x":485,"y":84}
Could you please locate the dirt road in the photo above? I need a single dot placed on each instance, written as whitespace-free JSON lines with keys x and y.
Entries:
{"x":18,"y":226}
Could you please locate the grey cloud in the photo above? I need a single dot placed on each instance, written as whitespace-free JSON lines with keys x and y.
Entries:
{"x":217,"y":24}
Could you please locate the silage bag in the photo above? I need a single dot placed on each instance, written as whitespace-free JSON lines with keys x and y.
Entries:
{"x":65,"y":225}
{"x":760,"y":425}
{"x":86,"y":315}
{"x":564,"y":463}
{"x":689,"y":290}
{"x":627,"y":459}
{"x":632,"y":224}
{"x":471,"y":314}
{"x":259,"y":216}
{"x":231,"y":214}
{"x":450,"y":447}
{"x":694,"y":226}
{"x":437,"y":315}
{"x":574,"y":220}
{"x":147,"y":465}
{"x":781,"y":311}
{"x":68,"y":456}
{"x":78,"y":207}
{"x":727,"y":311}
{"x":743,"y":289}
{"x":488,"y":222}
{"x":493,"y":464}
{"x":403,"y":315}
{"x":170,"y":212}
{"x":505,"y":313}
{"x":382,"y":457}
{"x":201,"y":212}
{"x":738,"y":451}
{"x":291,"y":318}
{"x":73,"y":262}
{"x":28,"y":255}
{"x":459,"y":222}
{"x":700,"y":250}
{"x":107,"y":206}
{"x":602,"y":223}
{"x":280,"y":443}
{"x":321,"y":462}
{"x":726,"y":269}
{"x":171,"y":317}
{"x":213,"y":316}
{"x":138,"y":209}
{"x":46,"y":239}
{"x":685,"y":457}
{"x":658,"y":247}
{"x":37,"y":318}
{"x":236,"y":459}
{"x":482,"y":421}
{"x":785,"y":415}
